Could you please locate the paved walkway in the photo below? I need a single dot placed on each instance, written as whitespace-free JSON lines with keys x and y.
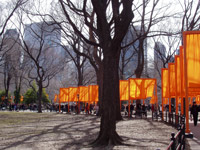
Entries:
{"x":195,"y":142}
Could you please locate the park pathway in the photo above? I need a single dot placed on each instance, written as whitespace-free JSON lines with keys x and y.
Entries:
{"x":195,"y":141}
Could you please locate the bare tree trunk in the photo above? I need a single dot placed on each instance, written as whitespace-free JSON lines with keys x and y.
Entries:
{"x":80,"y":77}
{"x":122,"y":66}
{"x":40,"y":97}
{"x":99,"y":74}
{"x":7,"y":86}
{"x":140,"y":66}
{"x":110,"y":101}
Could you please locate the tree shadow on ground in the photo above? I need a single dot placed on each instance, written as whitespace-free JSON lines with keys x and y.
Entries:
{"x":67,"y":131}
{"x":81,"y":126}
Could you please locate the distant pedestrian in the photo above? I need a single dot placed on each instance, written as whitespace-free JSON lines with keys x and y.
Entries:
{"x":66,"y":108}
{"x":131,"y":109}
{"x":127,"y":112}
{"x":91,"y":108}
{"x":194,"y":112}
{"x":152,"y":108}
{"x":87,"y":108}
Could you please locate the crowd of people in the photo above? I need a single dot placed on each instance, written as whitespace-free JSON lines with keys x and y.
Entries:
{"x":139,"y":109}
{"x":73,"y":108}
{"x":79,"y":108}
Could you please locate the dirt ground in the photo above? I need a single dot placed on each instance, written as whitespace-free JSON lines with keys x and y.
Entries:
{"x":52,"y":131}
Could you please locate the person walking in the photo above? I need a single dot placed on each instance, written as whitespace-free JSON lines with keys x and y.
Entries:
{"x":87,"y":108}
{"x":131,"y":109}
{"x":194,"y":113}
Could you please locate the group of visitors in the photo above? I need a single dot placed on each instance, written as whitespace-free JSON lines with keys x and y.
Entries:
{"x":77,"y":109}
{"x":73,"y":108}
{"x":137,"y":110}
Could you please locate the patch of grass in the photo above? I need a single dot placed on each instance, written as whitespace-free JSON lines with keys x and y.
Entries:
{"x":15,"y":118}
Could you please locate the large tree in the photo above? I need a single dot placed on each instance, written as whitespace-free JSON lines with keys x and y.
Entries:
{"x":39,"y":46}
{"x":112,"y":19}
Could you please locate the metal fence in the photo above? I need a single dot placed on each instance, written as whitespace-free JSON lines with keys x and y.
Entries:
{"x":177,"y":140}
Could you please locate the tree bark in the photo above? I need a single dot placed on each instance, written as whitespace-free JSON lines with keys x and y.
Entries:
{"x":110,"y":100}
{"x":80,"y":76}
{"x":40,"y":97}
{"x":140,"y":66}
{"x":99,"y":75}
{"x":7,"y":87}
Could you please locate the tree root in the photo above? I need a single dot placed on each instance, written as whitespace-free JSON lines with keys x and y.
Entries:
{"x":105,"y":140}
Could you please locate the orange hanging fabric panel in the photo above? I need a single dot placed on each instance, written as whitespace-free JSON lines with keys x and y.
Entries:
{"x":61,"y":95}
{"x":73,"y":94}
{"x":135,"y":86}
{"x":178,"y":75}
{"x":192,"y":64}
{"x":149,"y":87}
{"x":83,"y":93}
{"x":132,"y":88}
{"x":165,"y":85}
{"x":192,"y":51}
{"x":166,"y":101}
{"x":124,"y":89}
{"x":64,"y":95}
{"x":182,"y":71}
{"x":172,"y":89}
{"x":93,"y":93}
{"x":139,"y":88}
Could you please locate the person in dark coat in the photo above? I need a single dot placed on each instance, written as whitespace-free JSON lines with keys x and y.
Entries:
{"x":194,"y":112}
{"x":91,"y":108}
{"x":126,"y":112}
{"x":87,"y":108}
{"x":131,"y":109}
{"x":66,"y":108}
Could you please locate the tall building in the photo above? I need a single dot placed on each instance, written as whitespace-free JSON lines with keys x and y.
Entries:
{"x":11,"y":45}
{"x":11,"y":33}
{"x":129,"y":55}
{"x":10,"y":55}
{"x":50,"y":33}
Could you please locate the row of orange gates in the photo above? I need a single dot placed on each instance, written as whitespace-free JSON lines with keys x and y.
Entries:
{"x":130,"y":89}
{"x":181,"y":80}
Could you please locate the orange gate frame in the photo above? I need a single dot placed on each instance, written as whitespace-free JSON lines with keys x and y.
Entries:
{"x":187,"y":70}
{"x":165,"y":88}
{"x":141,"y":89}
{"x":191,"y":67}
